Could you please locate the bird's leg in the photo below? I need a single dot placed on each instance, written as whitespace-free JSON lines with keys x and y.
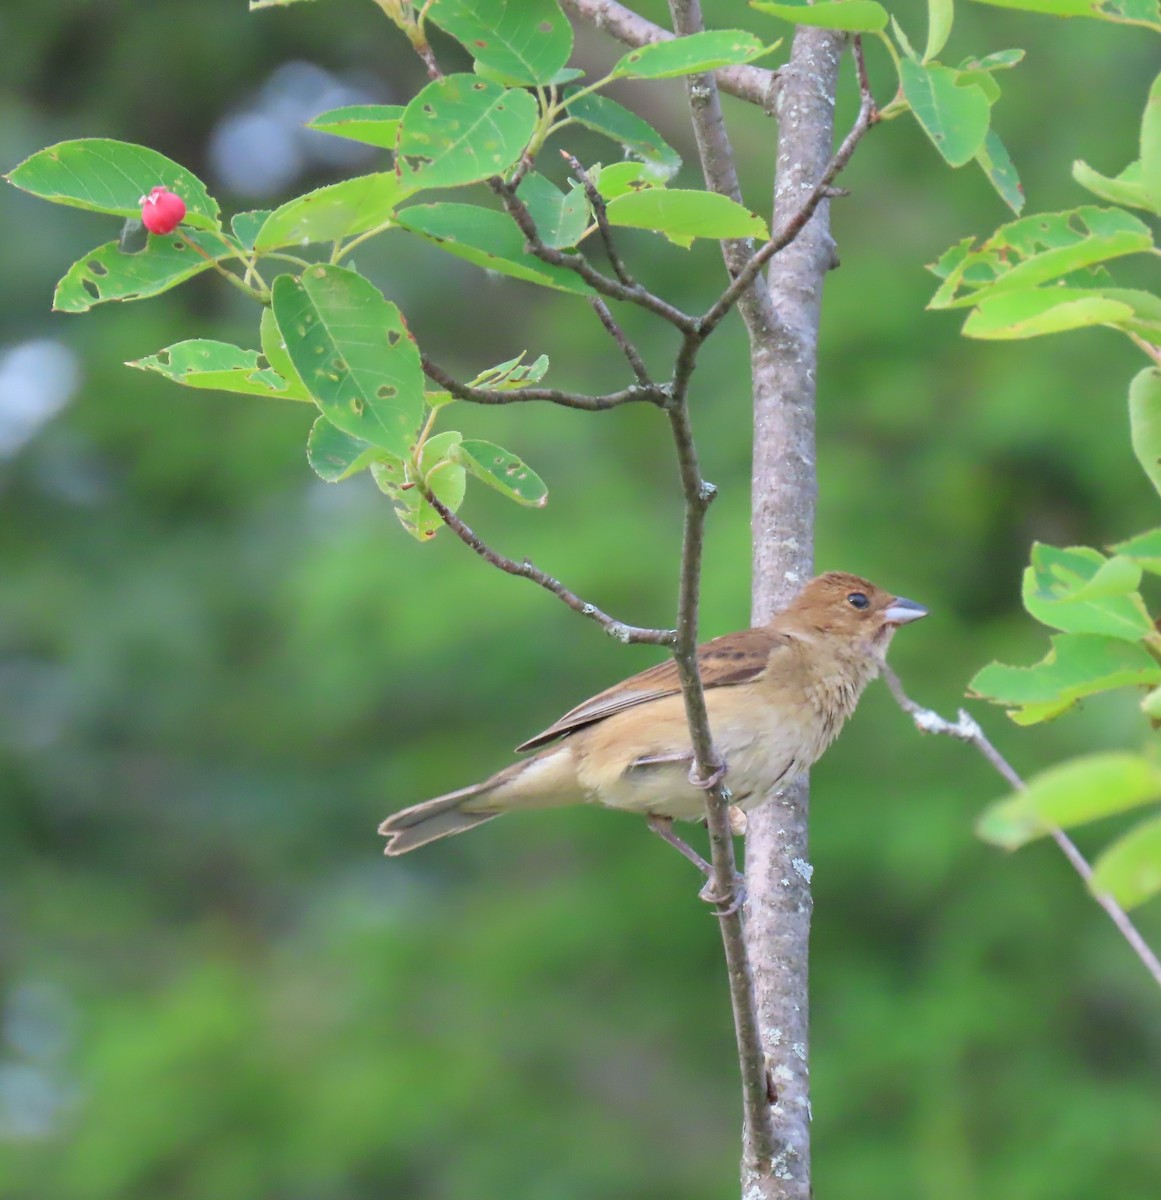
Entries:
{"x":663,"y":827}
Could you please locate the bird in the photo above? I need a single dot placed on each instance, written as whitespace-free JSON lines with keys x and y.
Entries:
{"x":776,"y":695}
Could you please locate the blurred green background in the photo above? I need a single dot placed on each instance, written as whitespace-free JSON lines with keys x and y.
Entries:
{"x":217,"y":674}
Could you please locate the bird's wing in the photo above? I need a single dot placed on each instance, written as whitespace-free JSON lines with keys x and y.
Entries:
{"x":723,"y":662}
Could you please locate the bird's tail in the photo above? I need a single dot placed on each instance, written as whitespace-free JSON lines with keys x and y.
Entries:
{"x":434,"y":819}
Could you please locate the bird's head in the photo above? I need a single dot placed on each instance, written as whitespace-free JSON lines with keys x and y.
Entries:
{"x":853,"y":610}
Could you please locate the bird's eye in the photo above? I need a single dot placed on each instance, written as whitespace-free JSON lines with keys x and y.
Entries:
{"x":858,"y":600}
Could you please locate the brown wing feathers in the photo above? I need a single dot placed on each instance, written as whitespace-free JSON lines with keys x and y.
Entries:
{"x":732,"y":659}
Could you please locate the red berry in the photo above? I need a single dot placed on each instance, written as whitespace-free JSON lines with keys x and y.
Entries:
{"x":162,"y":211}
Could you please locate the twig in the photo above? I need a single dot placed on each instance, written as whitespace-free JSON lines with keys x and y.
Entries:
{"x":597,"y":202}
{"x":967,"y":729}
{"x":579,"y":265}
{"x":626,"y":347}
{"x":644,"y":392}
{"x":755,"y":85}
{"x":629,"y":634}
{"x":782,"y":237}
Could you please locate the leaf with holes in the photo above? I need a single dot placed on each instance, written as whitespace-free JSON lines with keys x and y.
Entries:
{"x":461,"y":129}
{"x":638,"y":137}
{"x":103,"y":175}
{"x":502,"y":470}
{"x":1078,"y":665}
{"x":690,"y":55}
{"x":219,"y":366}
{"x":1074,"y":793}
{"x":487,"y":238}
{"x":447,"y":482}
{"x":332,"y":213}
{"x":525,"y":43}
{"x":354,"y":354}
{"x":854,"y":16}
{"x":561,"y":217}
{"x":108,"y":273}
{"x":334,"y":455}
{"x":371,"y":124}
{"x":684,"y":215}
{"x":954,"y":117}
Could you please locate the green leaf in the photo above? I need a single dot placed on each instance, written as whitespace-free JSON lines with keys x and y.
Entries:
{"x":1145,"y":549}
{"x":1145,"y":422}
{"x":461,"y":129}
{"x":502,"y":470}
{"x":108,"y":273}
{"x":1126,"y":188}
{"x":561,"y":218}
{"x":997,"y":165}
{"x":1121,"y":12}
{"x":245,"y":226}
{"x":684,"y":215}
{"x":354,"y":353}
{"x":1059,"y":586}
{"x":1077,"y":665}
{"x":446,"y":480}
{"x":1146,"y":311}
{"x":255,"y":5}
{"x":219,"y":366}
{"x":332,"y":213}
{"x":1150,"y":160}
{"x":689,"y":55}
{"x":1038,"y":311}
{"x":855,"y":16}
{"x":940,"y":14}
{"x":371,"y":124}
{"x":903,"y":40}
{"x":955,"y":118}
{"x":1130,"y":869}
{"x":526,"y":42}
{"x":998,"y":60}
{"x":106,"y":176}
{"x":1085,"y":789}
{"x":488,"y":239}
{"x":507,"y":376}
{"x":274,"y":351}
{"x":334,"y":455}
{"x":639,"y":138}
{"x":618,"y":178}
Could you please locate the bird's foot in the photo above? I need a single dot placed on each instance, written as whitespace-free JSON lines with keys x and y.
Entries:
{"x":717,"y":775}
{"x":733,"y":899}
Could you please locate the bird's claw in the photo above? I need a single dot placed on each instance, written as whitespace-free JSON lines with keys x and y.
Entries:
{"x":718,"y":774}
{"x":734,"y":898}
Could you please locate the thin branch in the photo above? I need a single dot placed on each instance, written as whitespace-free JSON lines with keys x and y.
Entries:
{"x":782,"y":237}
{"x":645,"y":392}
{"x":967,"y":729}
{"x":623,"y":343}
{"x":755,"y":85}
{"x":579,"y":265}
{"x":719,"y":170}
{"x":597,"y":201}
{"x":628,"y":634}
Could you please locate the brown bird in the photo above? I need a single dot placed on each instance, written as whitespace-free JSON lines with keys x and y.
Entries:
{"x":776,"y":695}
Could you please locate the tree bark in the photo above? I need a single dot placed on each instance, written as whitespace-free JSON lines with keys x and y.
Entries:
{"x":784,"y":362}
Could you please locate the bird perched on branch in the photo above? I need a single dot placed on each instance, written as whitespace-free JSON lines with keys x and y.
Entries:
{"x":776,"y":695}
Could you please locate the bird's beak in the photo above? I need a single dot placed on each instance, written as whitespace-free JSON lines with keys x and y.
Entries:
{"x":901,"y":611}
